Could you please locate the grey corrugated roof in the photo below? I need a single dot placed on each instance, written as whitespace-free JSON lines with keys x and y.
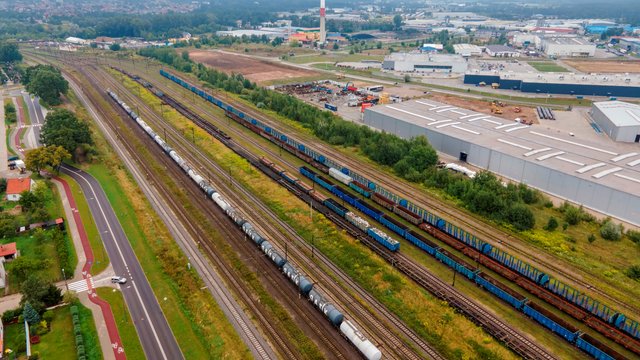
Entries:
{"x":620,"y":113}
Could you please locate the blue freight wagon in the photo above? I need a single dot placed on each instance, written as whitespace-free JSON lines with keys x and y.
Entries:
{"x":387,"y":242}
{"x":550,"y":324}
{"x":373,"y":213}
{"x":324,"y":183}
{"x":337,"y":208}
{"x":421,"y":242}
{"x":510,"y":299}
{"x":445,"y":257}
{"x":393,"y":225}
{"x":587,"y":347}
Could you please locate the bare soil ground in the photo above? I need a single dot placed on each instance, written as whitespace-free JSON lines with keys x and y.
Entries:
{"x":253,"y":69}
{"x":604,"y":66}
{"x":508,"y":112}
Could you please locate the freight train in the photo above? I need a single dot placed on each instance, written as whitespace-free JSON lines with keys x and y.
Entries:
{"x":513,"y":298}
{"x":304,"y":286}
{"x":468,"y":243}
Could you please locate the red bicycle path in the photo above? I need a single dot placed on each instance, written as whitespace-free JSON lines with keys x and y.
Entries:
{"x":109,"y":319}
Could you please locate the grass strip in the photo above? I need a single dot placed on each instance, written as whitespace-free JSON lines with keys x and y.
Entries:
{"x":100,"y":258}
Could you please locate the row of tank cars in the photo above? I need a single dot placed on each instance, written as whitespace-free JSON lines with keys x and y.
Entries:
{"x":304,"y":286}
{"x":573,"y":301}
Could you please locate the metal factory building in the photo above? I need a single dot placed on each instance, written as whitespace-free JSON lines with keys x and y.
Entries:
{"x":619,"y":120}
{"x":426,"y":63}
{"x":598,"y":176}
{"x":568,"y":46}
{"x":620,"y":85}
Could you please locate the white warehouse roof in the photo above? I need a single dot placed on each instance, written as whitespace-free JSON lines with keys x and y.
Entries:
{"x":620,"y":113}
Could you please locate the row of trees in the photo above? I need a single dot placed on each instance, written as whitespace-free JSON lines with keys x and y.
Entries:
{"x":170,"y":57}
{"x":64,"y":136}
{"x":488,"y":196}
{"x":47,"y":82}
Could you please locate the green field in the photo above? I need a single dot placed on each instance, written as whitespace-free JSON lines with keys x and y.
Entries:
{"x":547,"y":66}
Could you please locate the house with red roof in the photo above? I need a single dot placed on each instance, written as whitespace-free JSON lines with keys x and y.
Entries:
{"x":8,"y":251}
{"x":15,"y":187}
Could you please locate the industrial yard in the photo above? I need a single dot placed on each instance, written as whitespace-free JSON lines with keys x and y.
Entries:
{"x":362,"y":181}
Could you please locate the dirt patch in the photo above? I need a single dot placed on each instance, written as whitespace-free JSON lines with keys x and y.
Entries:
{"x":508,"y":111}
{"x":255,"y":70}
{"x":605,"y":66}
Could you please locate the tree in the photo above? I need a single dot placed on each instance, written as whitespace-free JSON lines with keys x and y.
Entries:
{"x":30,"y":201}
{"x":521,"y":217}
{"x":397,"y":21}
{"x":114,"y":47}
{"x":24,"y":265}
{"x":185,"y":55}
{"x":336,"y":46}
{"x":30,"y":314}
{"x":10,"y":113}
{"x":46,"y":82}
{"x":407,"y":78}
{"x":9,"y":53}
{"x":49,"y":156}
{"x":379,"y":45}
{"x":34,"y":289}
{"x":611,"y":231}
{"x":63,"y":128}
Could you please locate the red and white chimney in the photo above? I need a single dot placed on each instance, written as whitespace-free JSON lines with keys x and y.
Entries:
{"x":323,"y":33}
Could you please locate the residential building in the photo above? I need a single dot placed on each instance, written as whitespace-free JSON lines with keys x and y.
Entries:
{"x":15,"y":187}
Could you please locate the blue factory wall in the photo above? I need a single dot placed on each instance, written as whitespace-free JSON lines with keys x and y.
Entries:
{"x":554,"y":88}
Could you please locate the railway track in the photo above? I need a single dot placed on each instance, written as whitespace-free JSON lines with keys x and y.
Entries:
{"x":233,"y":129}
{"x":178,"y":141}
{"x":440,"y":208}
{"x":241,"y":291}
{"x":519,"y":343}
{"x":396,"y":344}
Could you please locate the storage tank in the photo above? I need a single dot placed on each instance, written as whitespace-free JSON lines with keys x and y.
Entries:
{"x":272,"y":253}
{"x":363,"y":344}
{"x":327,"y":308}
{"x":297,"y":278}
{"x":217,"y":198}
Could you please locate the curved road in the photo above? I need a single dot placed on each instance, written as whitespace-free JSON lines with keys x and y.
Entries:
{"x":157,"y":340}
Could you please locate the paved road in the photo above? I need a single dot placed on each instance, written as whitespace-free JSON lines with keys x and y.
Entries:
{"x":153,"y":330}
{"x":35,"y":114}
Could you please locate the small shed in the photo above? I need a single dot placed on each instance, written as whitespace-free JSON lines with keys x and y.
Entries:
{"x":15,"y":187}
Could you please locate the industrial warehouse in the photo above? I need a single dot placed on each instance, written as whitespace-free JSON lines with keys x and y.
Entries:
{"x":597,"y":176}
{"x":617,"y":85}
{"x":619,"y":120}
{"x":425,"y":62}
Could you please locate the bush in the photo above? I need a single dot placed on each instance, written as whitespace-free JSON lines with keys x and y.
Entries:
{"x":633,"y":272}
{"x":572,"y":215}
{"x":591,"y":238}
{"x":48,"y":316}
{"x":521,"y":217}
{"x":11,"y":315}
{"x":611,"y":231}
{"x":634,"y":236}
{"x":552,"y":224}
